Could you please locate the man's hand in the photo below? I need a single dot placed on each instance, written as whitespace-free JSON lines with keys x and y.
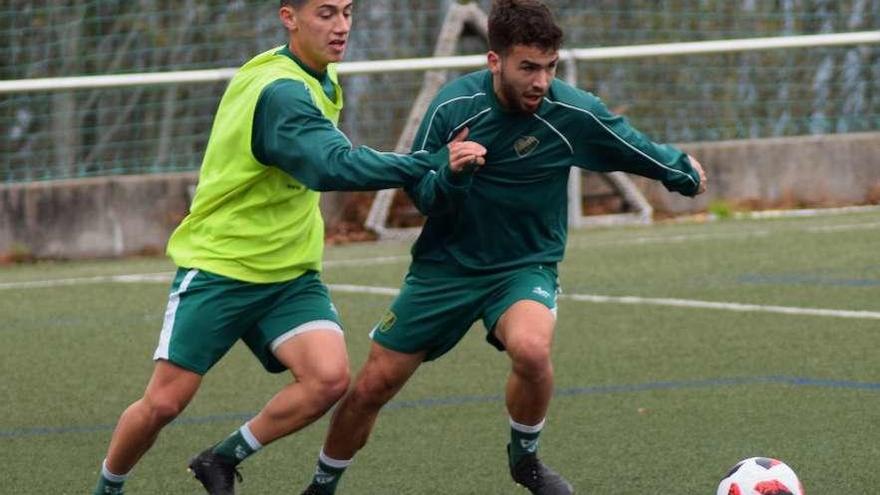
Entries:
{"x":701,"y":172}
{"x":465,"y":155}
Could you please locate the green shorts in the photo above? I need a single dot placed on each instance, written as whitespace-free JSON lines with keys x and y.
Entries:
{"x":208,"y":313}
{"x":436,"y":307}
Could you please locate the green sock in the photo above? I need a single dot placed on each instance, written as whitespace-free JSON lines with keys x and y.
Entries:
{"x":107,"y":487}
{"x":109,"y":483}
{"x":328,"y":473}
{"x":238,"y":446}
{"x":523,"y":440}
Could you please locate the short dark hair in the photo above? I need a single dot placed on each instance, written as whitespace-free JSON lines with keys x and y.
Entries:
{"x":522,"y":22}
{"x":293,"y":3}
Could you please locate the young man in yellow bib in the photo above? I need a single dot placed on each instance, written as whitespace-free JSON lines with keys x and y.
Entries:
{"x":249,"y":253}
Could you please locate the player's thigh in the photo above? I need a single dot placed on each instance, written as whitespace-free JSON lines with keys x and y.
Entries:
{"x":523,"y":308}
{"x":526,"y":330}
{"x":318,"y":355}
{"x":205,"y":316}
{"x":300,"y":308}
{"x":430,"y":315}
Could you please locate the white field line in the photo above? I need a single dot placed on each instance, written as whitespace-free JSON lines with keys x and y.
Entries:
{"x":727,"y":306}
{"x":387,"y":260}
{"x":380,"y":260}
{"x":809,"y":212}
{"x":679,"y":238}
{"x":364,"y":289}
{"x":679,"y":303}
{"x":101,"y":279}
{"x":390,"y":291}
{"x":843,"y":227}
{"x":167,"y":276}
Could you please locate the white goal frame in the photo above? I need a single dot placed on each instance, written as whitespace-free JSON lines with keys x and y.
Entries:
{"x":54,"y":84}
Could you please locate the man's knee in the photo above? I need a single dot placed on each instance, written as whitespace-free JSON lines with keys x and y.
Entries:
{"x":373,"y":390}
{"x":530,"y":354}
{"x":330,"y":384}
{"x":163,"y":408}
{"x":169,"y":391}
{"x":333,"y":384}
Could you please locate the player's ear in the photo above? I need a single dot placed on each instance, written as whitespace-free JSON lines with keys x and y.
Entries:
{"x":493,"y":60}
{"x":288,"y":17}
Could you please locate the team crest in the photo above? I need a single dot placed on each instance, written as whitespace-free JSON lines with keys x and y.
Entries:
{"x":388,"y":320}
{"x":525,"y":145}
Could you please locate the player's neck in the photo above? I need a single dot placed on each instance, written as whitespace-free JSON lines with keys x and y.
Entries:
{"x":500,"y":97}
{"x":318,"y":68}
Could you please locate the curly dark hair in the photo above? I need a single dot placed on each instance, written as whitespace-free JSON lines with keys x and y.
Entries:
{"x":522,"y":22}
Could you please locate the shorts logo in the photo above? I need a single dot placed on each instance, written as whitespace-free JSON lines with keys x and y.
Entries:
{"x":525,"y":145}
{"x":541,"y":292}
{"x":388,"y":320}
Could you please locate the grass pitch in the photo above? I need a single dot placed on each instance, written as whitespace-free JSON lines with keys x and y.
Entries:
{"x":680,"y":349}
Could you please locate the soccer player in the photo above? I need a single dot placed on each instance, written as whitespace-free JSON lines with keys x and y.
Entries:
{"x":249,"y":253}
{"x":491,"y":250}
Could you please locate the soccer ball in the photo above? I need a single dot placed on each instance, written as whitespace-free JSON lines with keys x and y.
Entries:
{"x":760,"y":476}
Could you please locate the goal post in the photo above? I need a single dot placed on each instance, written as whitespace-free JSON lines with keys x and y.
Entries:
{"x":457,"y":19}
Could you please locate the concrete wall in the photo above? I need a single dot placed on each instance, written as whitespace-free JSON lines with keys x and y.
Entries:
{"x":93,"y":217}
{"x":129,"y":215}
{"x":810,"y":171}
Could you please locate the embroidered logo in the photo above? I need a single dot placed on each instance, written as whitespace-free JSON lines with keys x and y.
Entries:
{"x":541,"y":292}
{"x":240,"y":453}
{"x":388,"y":320}
{"x":529,"y":445}
{"x":525,"y":145}
{"x":323,"y":477}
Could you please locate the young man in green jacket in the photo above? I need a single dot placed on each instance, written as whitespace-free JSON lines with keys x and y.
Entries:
{"x":489,"y":250}
{"x":249,"y":253}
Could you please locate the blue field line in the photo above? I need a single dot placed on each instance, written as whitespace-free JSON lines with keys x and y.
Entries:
{"x":719,"y":382}
{"x":480,"y":399}
{"x":45,"y":431}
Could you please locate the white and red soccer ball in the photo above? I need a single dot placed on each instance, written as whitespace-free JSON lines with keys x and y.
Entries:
{"x":760,"y":476}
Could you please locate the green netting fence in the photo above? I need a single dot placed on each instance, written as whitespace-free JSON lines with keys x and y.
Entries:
{"x":156,"y":129}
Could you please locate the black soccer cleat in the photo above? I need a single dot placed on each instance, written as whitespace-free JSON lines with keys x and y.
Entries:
{"x":216,"y":472}
{"x":312,"y":489}
{"x":532,"y":474}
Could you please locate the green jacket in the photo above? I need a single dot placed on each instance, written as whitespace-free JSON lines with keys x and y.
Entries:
{"x":513,"y":211}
